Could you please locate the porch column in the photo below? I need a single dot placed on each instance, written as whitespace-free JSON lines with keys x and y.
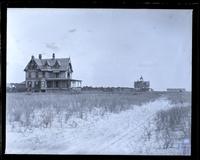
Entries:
{"x":73,"y":84}
{"x":79,"y":83}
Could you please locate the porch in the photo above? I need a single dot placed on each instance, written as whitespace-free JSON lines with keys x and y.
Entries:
{"x":62,"y":83}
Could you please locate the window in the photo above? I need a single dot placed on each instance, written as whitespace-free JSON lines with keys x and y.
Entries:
{"x":49,"y":84}
{"x":68,"y":75}
{"x":57,"y":75}
{"x":33,"y":74}
{"x":56,"y":84}
{"x":29,"y":74}
{"x":43,"y":74}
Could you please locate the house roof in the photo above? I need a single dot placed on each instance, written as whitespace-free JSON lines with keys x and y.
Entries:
{"x":59,"y":64}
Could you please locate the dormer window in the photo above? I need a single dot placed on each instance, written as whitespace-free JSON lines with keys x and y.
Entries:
{"x":57,"y":64}
{"x":47,"y":65}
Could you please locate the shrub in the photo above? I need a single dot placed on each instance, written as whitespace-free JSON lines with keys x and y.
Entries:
{"x":173,"y":124}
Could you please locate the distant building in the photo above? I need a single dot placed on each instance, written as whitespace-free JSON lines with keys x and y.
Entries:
{"x":20,"y":87}
{"x":49,"y":74}
{"x":16,"y":87}
{"x":176,"y":90}
{"x":10,"y":87}
{"x":142,"y":85}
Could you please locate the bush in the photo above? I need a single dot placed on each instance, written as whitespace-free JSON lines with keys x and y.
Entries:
{"x":173,"y":124}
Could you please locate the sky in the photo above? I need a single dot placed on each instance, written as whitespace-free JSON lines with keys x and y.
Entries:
{"x":107,"y":47}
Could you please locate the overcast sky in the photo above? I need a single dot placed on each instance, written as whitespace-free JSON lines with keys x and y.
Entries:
{"x":107,"y":47}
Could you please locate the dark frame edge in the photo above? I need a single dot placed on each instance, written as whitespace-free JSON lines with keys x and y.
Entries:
{"x":3,"y":72}
{"x":195,"y":82}
{"x":195,"y":90}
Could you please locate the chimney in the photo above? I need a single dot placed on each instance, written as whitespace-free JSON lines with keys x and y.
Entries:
{"x":40,"y":56}
{"x":32,"y":57}
{"x":53,"y":56}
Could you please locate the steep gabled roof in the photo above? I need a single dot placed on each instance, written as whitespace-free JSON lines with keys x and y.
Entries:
{"x":64,"y":64}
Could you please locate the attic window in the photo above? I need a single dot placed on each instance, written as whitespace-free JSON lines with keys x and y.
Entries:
{"x":46,"y":63}
{"x":57,"y":64}
{"x":32,"y":65}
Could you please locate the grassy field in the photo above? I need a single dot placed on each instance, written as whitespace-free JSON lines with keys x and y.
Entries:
{"x":27,"y":112}
{"x":23,"y":107}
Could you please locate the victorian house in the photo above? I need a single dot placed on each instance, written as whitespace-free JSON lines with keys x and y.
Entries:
{"x":50,"y":74}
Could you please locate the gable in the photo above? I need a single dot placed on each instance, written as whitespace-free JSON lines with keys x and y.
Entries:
{"x":32,"y":65}
{"x":56,"y":64}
